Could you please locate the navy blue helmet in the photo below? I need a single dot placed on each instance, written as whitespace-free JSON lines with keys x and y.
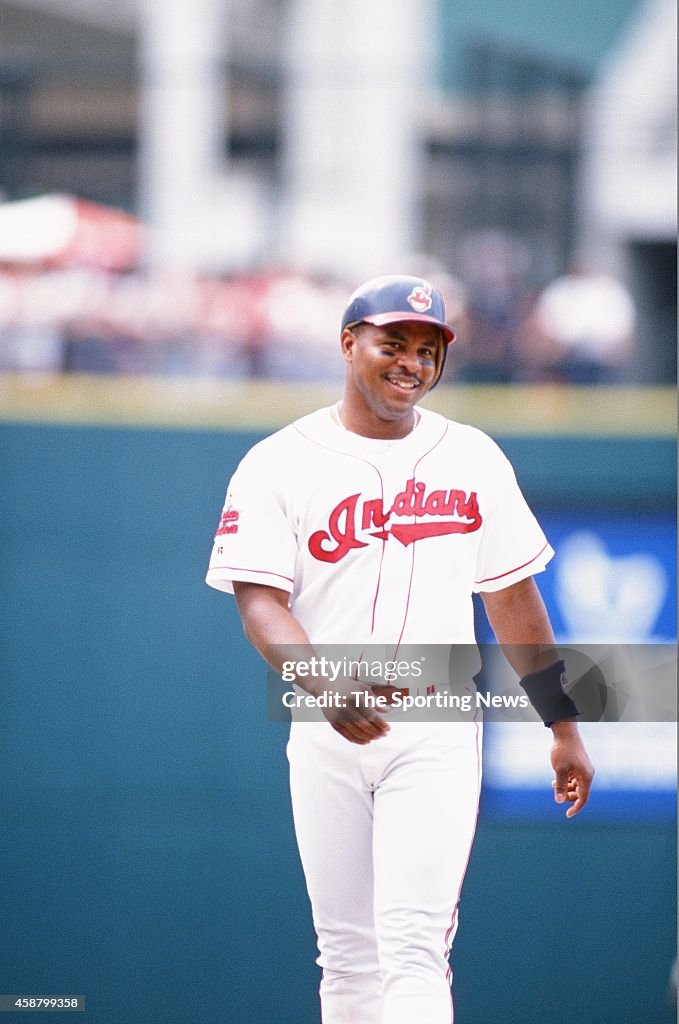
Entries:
{"x":394,"y":299}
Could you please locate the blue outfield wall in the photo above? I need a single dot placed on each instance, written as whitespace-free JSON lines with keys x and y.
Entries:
{"x":147,"y":856}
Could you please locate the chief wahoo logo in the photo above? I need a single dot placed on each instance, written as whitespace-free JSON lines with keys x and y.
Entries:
{"x":420,"y":298}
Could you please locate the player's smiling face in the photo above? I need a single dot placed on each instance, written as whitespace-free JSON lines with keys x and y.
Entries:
{"x":388,"y":370}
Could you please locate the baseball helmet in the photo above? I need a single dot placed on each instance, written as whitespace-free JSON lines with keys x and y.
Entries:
{"x":397,"y":298}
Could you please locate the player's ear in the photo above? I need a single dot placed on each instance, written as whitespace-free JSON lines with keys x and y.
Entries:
{"x":347,"y":341}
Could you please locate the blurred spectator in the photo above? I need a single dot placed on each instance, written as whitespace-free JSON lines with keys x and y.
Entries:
{"x":495,"y":269}
{"x":31,"y":310}
{"x":96,"y":339}
{"x":303,"y":315}
{"x":581,"y":330}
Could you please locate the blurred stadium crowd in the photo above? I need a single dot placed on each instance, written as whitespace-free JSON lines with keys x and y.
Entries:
{"x":275,"y":323}
{"x":179,"y":195}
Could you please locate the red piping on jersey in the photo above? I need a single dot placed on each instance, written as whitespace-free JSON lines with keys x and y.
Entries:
{"x":405,"y":614}
{"x":412,"y":563}
{"x":379,"y":572}
{"x":242,"y":568}
{"x":489,"y":579}
{"x":359,"y":458}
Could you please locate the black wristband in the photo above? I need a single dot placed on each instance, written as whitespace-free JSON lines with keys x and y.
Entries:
{"x":546,"y":694}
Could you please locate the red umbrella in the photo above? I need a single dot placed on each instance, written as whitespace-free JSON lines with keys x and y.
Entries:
{"x":62,"y":230}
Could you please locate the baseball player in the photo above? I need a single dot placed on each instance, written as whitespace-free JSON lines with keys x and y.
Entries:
{"x":372,"y":523}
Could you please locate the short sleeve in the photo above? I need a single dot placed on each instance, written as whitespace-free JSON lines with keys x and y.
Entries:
{"x":512,"y":546}
{"x":254,"y":542}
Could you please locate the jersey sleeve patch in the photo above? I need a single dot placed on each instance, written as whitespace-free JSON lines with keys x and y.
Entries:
{"x":254,"y":541}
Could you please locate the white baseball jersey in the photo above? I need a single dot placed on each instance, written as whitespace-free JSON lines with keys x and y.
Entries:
{"x":381,"y":542}
{"x":377,"y":541}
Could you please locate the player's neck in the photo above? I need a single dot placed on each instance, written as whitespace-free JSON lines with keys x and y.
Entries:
{"x":367,"y":424}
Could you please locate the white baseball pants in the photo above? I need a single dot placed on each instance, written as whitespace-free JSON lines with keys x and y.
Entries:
{"x":384,"y":833}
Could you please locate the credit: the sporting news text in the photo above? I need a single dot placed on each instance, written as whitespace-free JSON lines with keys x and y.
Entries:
{"x":403,"y":701}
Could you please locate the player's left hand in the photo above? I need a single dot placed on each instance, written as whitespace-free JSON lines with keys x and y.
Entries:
{"x":572,"y":766}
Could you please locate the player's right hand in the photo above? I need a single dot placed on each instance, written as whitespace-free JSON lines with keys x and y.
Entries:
{"x":355,"y":721}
